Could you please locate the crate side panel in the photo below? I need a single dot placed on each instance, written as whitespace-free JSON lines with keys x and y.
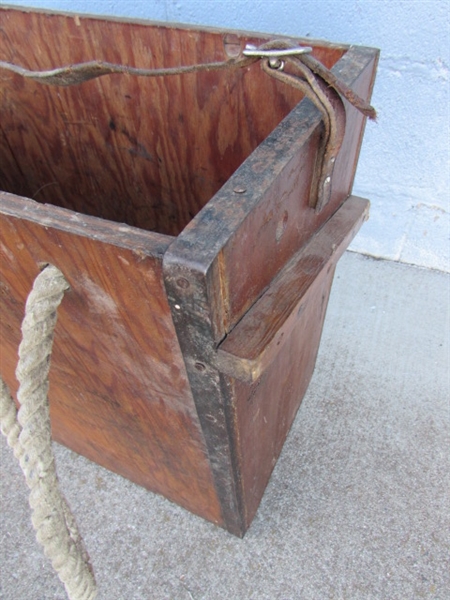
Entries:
{"x":265,"y":410}
{"x":118,"y":387}
{"x":150,"y":152}
{"x":282,"y":222}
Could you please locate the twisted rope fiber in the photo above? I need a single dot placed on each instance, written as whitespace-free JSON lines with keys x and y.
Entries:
{"x":28,"y":432}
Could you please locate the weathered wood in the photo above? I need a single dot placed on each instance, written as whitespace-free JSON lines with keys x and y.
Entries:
{"x":118,"y":387}
{"x":147,"y":152}
{"x":261,"y":216}
{"x":264,"y":411}
{"x":156,"y":373}
{"x":260,"y":335}
{"x":221,"y":264}
{"x":190,"y":311}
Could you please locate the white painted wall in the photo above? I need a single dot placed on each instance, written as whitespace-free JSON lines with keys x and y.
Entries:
{"x":404,"y":166}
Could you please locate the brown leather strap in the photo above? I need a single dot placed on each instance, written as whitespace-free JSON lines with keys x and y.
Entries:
{"x":323,"y":88}
{"x":304,"y":72}
{"x":332,"y":109}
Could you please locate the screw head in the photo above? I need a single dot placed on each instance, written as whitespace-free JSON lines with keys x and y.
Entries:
{"x":183,"y":283}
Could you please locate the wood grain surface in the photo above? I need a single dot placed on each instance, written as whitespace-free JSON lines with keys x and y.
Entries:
{"x":171,"y":205}
{"x":118,"y":387}
{"x":279,"y":176}
{"x":147,"y":152}
{"x":260,"y":335}
{"x":226,"y":259}
{"x":264,"y":410}
{"x":271,"y":353}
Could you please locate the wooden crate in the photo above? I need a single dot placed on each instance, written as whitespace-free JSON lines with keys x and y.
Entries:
{"x":178,"y":210}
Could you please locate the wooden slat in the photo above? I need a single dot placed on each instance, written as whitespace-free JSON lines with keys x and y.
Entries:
{"x":257,"y":339}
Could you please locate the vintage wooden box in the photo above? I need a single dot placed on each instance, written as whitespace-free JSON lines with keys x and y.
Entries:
{"x":178,"y":209}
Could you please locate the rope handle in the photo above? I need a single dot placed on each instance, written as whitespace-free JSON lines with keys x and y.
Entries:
{"x":28,"y":433}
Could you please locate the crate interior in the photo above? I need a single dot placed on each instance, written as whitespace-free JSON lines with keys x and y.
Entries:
{"x":149,"y":152}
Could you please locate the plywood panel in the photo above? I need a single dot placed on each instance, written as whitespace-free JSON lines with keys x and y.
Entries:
{"x":118,"y":388}
{"x":148,"y":152}
{"x":283,"y":220}
{"x":274,"y":350}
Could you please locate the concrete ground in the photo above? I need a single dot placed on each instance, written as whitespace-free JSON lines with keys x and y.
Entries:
{"x":358,"y":504}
